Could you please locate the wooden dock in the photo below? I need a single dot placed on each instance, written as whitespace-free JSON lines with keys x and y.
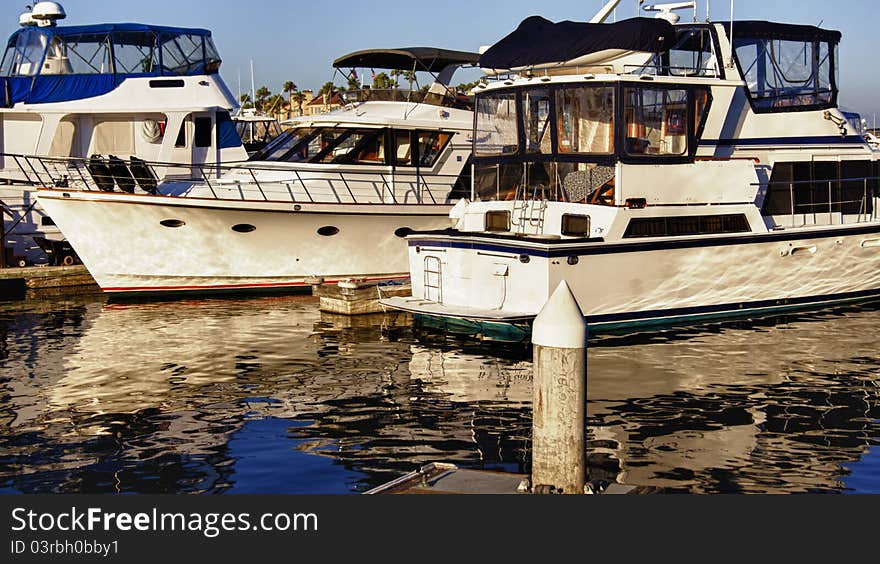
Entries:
{"x":46,"y":281}
{"x":352,"y":298}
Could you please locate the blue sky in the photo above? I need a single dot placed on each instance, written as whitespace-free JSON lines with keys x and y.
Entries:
{"x":297,"y":40}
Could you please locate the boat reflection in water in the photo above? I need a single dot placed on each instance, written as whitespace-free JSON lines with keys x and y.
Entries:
{"x":272,"y":396}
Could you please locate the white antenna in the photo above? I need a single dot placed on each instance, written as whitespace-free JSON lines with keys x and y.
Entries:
{"x":708,"y":17}
{"x":665,"y":11}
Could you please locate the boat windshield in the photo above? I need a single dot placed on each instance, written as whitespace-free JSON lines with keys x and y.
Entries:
{"x":109,"y":49}
{"x":357,"y":145}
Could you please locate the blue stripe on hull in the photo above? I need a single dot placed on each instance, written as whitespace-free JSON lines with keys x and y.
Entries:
{"x":600,"y":248}
{"x":751,"y":142}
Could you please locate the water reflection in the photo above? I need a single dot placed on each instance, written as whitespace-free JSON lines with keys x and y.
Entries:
{"x":270,"y":395}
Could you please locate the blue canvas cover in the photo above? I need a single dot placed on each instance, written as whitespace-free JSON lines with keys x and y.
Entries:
{"x":42,"y":89}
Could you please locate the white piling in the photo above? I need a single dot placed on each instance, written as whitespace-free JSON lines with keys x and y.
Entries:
{"x":559,"y":341}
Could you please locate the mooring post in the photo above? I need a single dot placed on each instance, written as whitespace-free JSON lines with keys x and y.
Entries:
{"x":559,"y":342}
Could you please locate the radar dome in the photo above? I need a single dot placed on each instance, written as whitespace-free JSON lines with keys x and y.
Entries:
{"x":47,"y":13}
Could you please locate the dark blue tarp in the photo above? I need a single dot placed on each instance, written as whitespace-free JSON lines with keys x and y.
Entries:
{"x":539,"y":41}
{"x":227,"y":135}
{"x":752,"y":29}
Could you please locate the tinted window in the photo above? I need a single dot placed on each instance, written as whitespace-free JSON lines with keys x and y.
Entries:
{"x":688,"y":225}
{"x":203,"y":132}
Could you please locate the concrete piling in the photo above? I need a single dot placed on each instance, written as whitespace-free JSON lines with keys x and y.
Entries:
{"x":559,"y":341}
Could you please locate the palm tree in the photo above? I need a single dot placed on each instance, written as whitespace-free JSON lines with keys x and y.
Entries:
{"x":353,"y":83}
{"x":245,"y":101}
{"x":262,"y":94}
{"x":289,"y":88}
{"x":299,"y":98}
{"x":410,"y":77}
{"x":395,"y":75}
{"x":382,"y":81}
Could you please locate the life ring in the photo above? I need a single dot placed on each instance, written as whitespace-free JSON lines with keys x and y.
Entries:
{"x":67,"y":260}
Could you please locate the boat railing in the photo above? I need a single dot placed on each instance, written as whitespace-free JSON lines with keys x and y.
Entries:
{"x":852,"y":197}
{"x":244,"y":181}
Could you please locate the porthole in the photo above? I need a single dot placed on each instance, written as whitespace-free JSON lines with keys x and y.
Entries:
{"x":172,"y":223}
{"x":402,"y":232}
{"x":328,"y":231}
{"x":243,"y":228}
{"x":525,"y":259}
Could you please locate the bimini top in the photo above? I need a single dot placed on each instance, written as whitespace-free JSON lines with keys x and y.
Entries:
{"x":428,"y":59}
{"x":54,"y":64}
{"x":788,"y":32}
{"x":538,"y":41}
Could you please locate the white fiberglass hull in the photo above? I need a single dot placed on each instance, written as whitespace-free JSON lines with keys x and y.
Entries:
{"x":134,"y":244}
{"x":658,"y":281}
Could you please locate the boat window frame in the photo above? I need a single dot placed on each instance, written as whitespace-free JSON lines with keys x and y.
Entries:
{"x":415,"y":158}
{"x":665,"y":57}
{"x":753,"y":101}
{"x":695,"y":129}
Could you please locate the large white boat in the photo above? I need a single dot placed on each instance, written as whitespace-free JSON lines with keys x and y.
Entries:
{"x":331,"y":198}
{"x":668,"y":173}
{"x":124,"y":89}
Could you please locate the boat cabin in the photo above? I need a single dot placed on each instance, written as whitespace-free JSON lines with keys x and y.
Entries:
{"x":644,"y":112}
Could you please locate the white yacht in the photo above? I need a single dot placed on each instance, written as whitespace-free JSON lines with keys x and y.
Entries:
{"x":332,"y":198}
{"x":129,"y":90}
{"x":667,"y":172}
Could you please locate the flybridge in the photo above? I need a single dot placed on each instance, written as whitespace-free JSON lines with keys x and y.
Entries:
{"x":58,"y":64}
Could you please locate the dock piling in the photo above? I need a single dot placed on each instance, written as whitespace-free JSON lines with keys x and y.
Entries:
{"x":559,"y":341}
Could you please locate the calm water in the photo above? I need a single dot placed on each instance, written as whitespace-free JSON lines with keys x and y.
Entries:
{"x":271,"y":396}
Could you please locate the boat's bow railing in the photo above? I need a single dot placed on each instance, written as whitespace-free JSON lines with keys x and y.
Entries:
{"x":239,"y":181}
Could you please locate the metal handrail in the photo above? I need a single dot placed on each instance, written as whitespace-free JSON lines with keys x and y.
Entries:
{"x":827,"y":207}
{"x":244,"y":181}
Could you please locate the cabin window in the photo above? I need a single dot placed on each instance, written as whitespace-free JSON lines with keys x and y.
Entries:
{"x":431,"y":145}
{"x":787,"y":75}
{"x":204,"y":129}
{"x":180,"y":142}
{"x":585,"y":120}
{"x":496,"y":129}
{"x":812,"y":188}
{"x":182,"y":54}
{"x":290,"y":146}
{"x":575,"y":225}
{"x":498,"y":220}
{"x":135,"y":52}
{"x":681,"y":226}
{"x":693,"y":54}
{"x":365,"y":146}
{"x":656,"y":121}
{"x":536,"y":121}
{"x":24,"y":56}
{"x":78,"y":54}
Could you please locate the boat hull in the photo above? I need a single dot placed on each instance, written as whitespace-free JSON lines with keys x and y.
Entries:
{"x":620,"y":285}
{"x":148,"y":245}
